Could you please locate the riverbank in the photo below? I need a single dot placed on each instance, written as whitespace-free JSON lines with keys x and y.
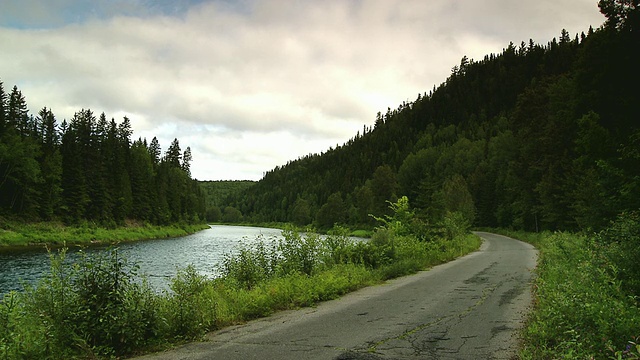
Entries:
{"x":55,"y":234}
{"x":81,"y":310}
{"x":360,"y":232}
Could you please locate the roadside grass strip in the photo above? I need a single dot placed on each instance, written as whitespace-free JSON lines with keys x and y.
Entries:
{"x":586,"y":296}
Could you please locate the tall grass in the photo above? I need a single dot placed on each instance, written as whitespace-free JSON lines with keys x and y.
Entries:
{"x":586,"y":295}
{"x":99,"y":307}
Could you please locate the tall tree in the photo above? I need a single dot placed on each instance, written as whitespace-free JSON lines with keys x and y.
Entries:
{"x":3,"y":109}
{"x":50,"y":164}
{"x":173,"y":155}
{"x":155,"y":151}
{"x":621,"y":14}
{"x":186,"y":161}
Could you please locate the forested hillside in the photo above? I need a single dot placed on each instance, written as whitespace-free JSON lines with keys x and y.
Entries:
{"x":89,"y":169}
{"x":216,"y":192}
{"x":536,"y":137}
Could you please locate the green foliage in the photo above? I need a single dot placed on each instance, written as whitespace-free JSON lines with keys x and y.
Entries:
{"x":93,"y":308}
{"x":586,"y":301}
{"x":538,"y":137}
{"x":619,"y":247}
{"x":55,"y":233}
{"x":231,"y":215}
{"x":455,"y":224}
{"x":89,"y":169}
{"x":251,"y":264}
{"x":98,"y":307}
{"x":189,"y":310}
{"x":332,"y":212}
{"x":217,"y":193}
{"x":301,"y":212}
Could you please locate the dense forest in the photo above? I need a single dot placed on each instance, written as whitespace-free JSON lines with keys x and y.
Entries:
{"x":89,"y":170}
{"x":216,"y":192}
{"x":536,"y":137}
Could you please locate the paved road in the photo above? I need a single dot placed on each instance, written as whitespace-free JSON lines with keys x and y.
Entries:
{"x":470,"y":308}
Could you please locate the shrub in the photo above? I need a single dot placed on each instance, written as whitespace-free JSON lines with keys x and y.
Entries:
{"x":190,"y":309}
{"x":581,"y":308}
{"x":99,"y":307}
{"x":298,"y":254}
{"x":95,"y":307}
{"x":619,"y":245}
{"x":251,"y":264}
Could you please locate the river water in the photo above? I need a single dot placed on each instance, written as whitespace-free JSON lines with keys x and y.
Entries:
{"x":158,"y":259}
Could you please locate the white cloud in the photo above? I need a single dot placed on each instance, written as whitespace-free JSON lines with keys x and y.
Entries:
{"x":252,"y":85}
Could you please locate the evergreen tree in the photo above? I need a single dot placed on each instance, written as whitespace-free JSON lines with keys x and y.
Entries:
{"x":173,"y":155}
{"x":3,"y":110}
{"x":50,"y":164}
{"x":155,"y":151}
{"x":186,"y":161}
{"x":621,"y":14}
{"x":141,"y":182}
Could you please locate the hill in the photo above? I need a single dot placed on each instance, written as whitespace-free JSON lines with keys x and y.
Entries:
{"x":536,"y":137}
{"x":216,"y":192}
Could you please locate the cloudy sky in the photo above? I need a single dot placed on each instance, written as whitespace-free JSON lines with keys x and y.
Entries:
{"x":251,"y":84}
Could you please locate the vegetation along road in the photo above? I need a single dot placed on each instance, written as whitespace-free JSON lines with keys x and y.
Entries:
{"x":469,"y":308}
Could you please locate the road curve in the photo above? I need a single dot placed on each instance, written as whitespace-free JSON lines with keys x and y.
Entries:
{"x":470,"y":308}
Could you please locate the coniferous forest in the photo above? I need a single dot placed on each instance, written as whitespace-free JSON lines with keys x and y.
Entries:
{"x":536,"y":137}
{"x":89,"y":170}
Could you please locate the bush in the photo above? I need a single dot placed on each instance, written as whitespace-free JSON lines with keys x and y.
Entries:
{"x":190,"y":309}
{"x":298,"y":254}
{"x":99,"y":307}
{"x":619,"y":245}
{"x":582,"y":309}
{"x":251,"y":264}
{"x":95,"y":307}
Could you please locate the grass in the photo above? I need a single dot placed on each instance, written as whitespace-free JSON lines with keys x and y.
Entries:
{"x":99,"y":308}
{"x":55,"y":233}
{"x":586,"y":294}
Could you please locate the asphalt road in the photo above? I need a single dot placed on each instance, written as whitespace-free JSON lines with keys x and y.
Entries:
{"x":470,"y":308}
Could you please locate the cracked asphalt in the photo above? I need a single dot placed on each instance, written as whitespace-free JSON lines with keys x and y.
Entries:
{"x":470,"y":308}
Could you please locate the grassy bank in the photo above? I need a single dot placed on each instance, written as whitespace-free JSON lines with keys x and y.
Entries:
{"x":55,"y":233}
{"x":586,"y":294}
{"x":98,"y":307}
{"x":361,"y":233}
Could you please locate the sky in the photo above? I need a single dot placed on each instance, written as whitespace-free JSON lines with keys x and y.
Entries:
{"x":252,"y":84}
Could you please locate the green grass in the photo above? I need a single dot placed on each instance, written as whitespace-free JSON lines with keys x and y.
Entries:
{"x":55,"y":233}
{"x":98,"y":307}
{"x":585,"y":294}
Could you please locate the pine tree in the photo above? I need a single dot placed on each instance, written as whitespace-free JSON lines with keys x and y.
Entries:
{"x":186,"y":161}
{"x":173,"y":155}
{"x":621,"y":14}
{"x":3,"y":109}
{"x":155,"y":151}
{"x":50,"y":164}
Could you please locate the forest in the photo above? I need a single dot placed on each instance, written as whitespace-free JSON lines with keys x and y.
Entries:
{"x":216,"y":192}
{"x":538,"y":137}
{"x":88,"y":170}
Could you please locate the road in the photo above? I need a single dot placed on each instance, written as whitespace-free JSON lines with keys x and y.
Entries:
{"x":470,"y":308}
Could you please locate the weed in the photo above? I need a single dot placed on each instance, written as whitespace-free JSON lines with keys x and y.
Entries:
{"x":583,"y":308}
{"x":99,"y":307}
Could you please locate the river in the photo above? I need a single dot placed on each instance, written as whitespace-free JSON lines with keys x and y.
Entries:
{"x":158,"y":259}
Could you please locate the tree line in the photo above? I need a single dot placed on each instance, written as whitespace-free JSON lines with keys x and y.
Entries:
{"x":536,"y":137}
{"x":89,"y":169}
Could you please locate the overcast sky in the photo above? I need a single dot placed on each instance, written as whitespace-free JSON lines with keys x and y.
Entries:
{"x":251,"y":84}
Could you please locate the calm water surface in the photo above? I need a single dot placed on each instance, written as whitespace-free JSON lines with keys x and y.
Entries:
{"x":158,"y":259}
